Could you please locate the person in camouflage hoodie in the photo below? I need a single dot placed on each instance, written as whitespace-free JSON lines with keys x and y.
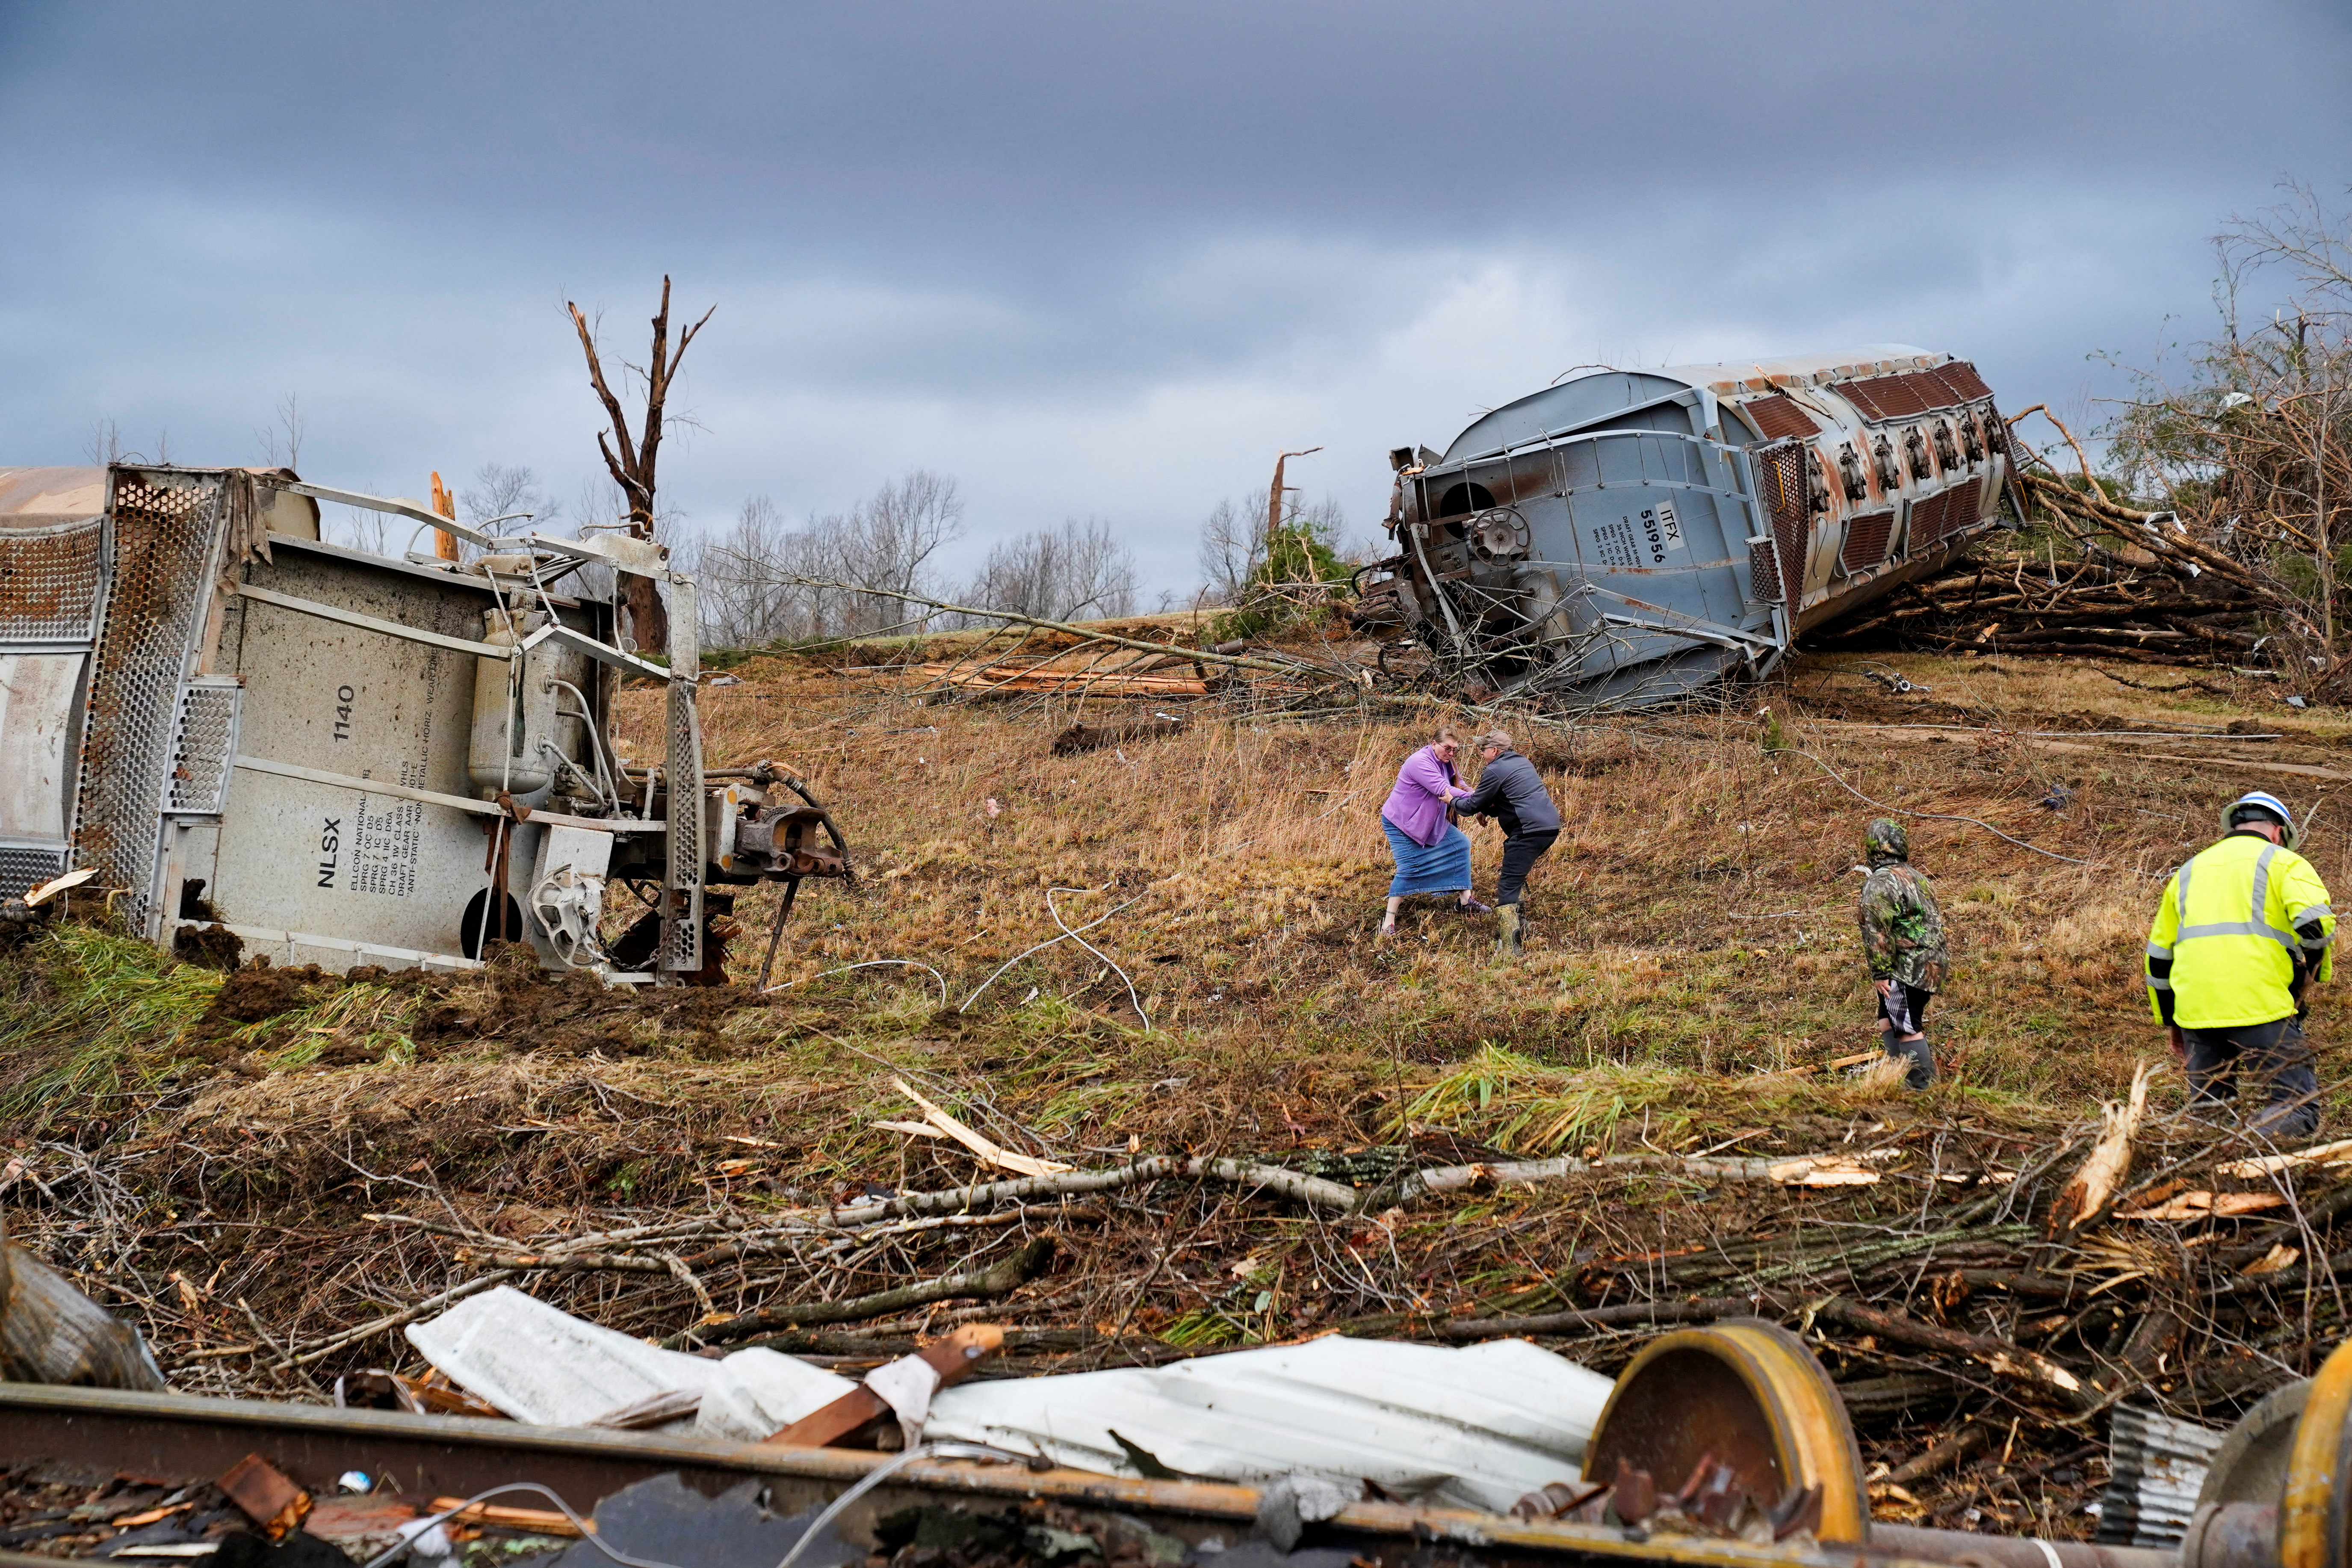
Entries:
{"x":1903,"y":942}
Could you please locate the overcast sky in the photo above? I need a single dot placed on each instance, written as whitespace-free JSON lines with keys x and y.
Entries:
{"x":1090,"y":259}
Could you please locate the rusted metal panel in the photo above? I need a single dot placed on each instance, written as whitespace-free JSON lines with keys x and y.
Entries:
{"x":1961,"y":382}
{"x":178,"y":1437}
{"x":1780,"y":416}
{"x":1781,"y":467}
{"x":1867,"y":535}
{"x":50,"y":579}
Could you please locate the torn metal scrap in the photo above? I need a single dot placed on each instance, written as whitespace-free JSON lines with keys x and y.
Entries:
{"x":1477,"y":1428}
{"x":1625,"y":537}
{"x":540,"y":1364}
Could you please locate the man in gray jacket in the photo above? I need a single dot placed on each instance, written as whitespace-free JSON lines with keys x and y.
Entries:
{"x":1511,"y":791}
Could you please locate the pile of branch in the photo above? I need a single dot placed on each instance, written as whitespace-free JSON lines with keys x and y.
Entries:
{"x":2144,"y":588}
{"x":2104,"y":605}
{"x":1055,"y":677}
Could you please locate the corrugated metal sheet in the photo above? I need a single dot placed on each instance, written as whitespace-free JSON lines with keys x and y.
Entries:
{"x":1479,"y":1428}
{"x":2156,"y":1465}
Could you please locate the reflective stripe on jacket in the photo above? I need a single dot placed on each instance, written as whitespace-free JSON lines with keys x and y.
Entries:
{"x":2225,"y":949}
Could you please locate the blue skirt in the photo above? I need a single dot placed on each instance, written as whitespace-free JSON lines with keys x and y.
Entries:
{"x":1441,"y":868}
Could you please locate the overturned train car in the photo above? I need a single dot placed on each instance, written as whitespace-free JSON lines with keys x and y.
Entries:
{"x":1627,"y":536}
{"x":344,"y":758}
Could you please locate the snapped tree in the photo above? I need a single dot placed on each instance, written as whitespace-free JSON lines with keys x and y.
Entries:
{"x":631,"y":460}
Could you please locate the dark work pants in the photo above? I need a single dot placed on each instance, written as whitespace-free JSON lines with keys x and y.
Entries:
{"x":2276,"y":1050}
{"x":1906,"y":1013}
{"x":1520,"y":852}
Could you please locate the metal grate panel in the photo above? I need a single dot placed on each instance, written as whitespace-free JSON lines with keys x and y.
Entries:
{"x":1779,"y":416}
{"x":163,"y":543}
{"x":681,"y":934}
{"x":1907,"y":396}
{"x":23,"y":868}
{"x":1961,"y":381}
{"x":204,"y":742}
{"x":1927,"y":522}
{"x":1961,"y":506}
{"x":48,"y":582}
{"x":1779,"y":576}
{"x":1866,"y":539}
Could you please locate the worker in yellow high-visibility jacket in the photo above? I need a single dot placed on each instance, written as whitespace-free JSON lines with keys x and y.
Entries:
{"x":2241,"y":929}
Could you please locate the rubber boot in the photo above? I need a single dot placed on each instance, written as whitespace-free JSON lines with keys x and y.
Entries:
{"x":1507,"y":940}
{"x":1919,"y":1053}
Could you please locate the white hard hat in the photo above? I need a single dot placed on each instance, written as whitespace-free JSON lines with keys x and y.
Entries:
{"x":2265,"y":801}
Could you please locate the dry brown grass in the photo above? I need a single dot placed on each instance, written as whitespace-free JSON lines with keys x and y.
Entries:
{"x":1692,"y":956}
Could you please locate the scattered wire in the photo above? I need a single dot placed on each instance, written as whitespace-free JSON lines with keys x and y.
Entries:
{"x":1098,"y":952}
{"x":1066,"y":934}
{"x":869,"y":963}
{"x":877,"y":1476}
{"x":587,"y":1532}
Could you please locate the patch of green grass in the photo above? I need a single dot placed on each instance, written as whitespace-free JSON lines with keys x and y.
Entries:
{"x":84,"y":1012}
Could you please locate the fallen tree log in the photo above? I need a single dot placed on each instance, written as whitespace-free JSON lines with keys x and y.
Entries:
{"x":2012,"y":1362}
{"x":997,"y":1280}
{"x":51,"y":1333}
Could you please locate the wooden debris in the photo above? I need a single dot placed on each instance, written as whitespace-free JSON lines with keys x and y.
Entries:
{"x":2009,"y":1360}
{"x":1034,"y":678}
{"x":2095,"y":1181}
{"x":2326,"y":1155}
{"x":990,"y":1153}
{"x":538,"y":1521}
{"x":51,"y":1333}
{"x":997,"y":1280}
{"x":951,"y":1359}
{"x":1821,"y":1171}
{"x":2206,"y":1206}
{"x":267,"y":1497}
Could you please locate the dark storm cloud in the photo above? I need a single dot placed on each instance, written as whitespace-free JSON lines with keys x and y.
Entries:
{"x":1092,"y":258}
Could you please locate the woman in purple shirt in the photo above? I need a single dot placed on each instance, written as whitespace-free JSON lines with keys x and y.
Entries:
{"x":1432,"y":856}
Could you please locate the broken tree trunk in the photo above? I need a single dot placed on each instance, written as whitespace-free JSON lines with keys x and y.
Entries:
{"x":51,"y":1333}
{"x":632,"y":460}
{"x":2093,"y":1189}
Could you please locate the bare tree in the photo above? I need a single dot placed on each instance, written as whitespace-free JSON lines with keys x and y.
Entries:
{"x":887,"y":540}
{"x":105,"y":444}
{"x":502,"y":490}
{"x":1233,"y":548}
{"x":1071,"y":572}
{"x":886,"y":544}
{"x":2250,"y":454}
{"x":740,"y":573}
{"x":281,"y":440}
{"x":632,"y":460}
